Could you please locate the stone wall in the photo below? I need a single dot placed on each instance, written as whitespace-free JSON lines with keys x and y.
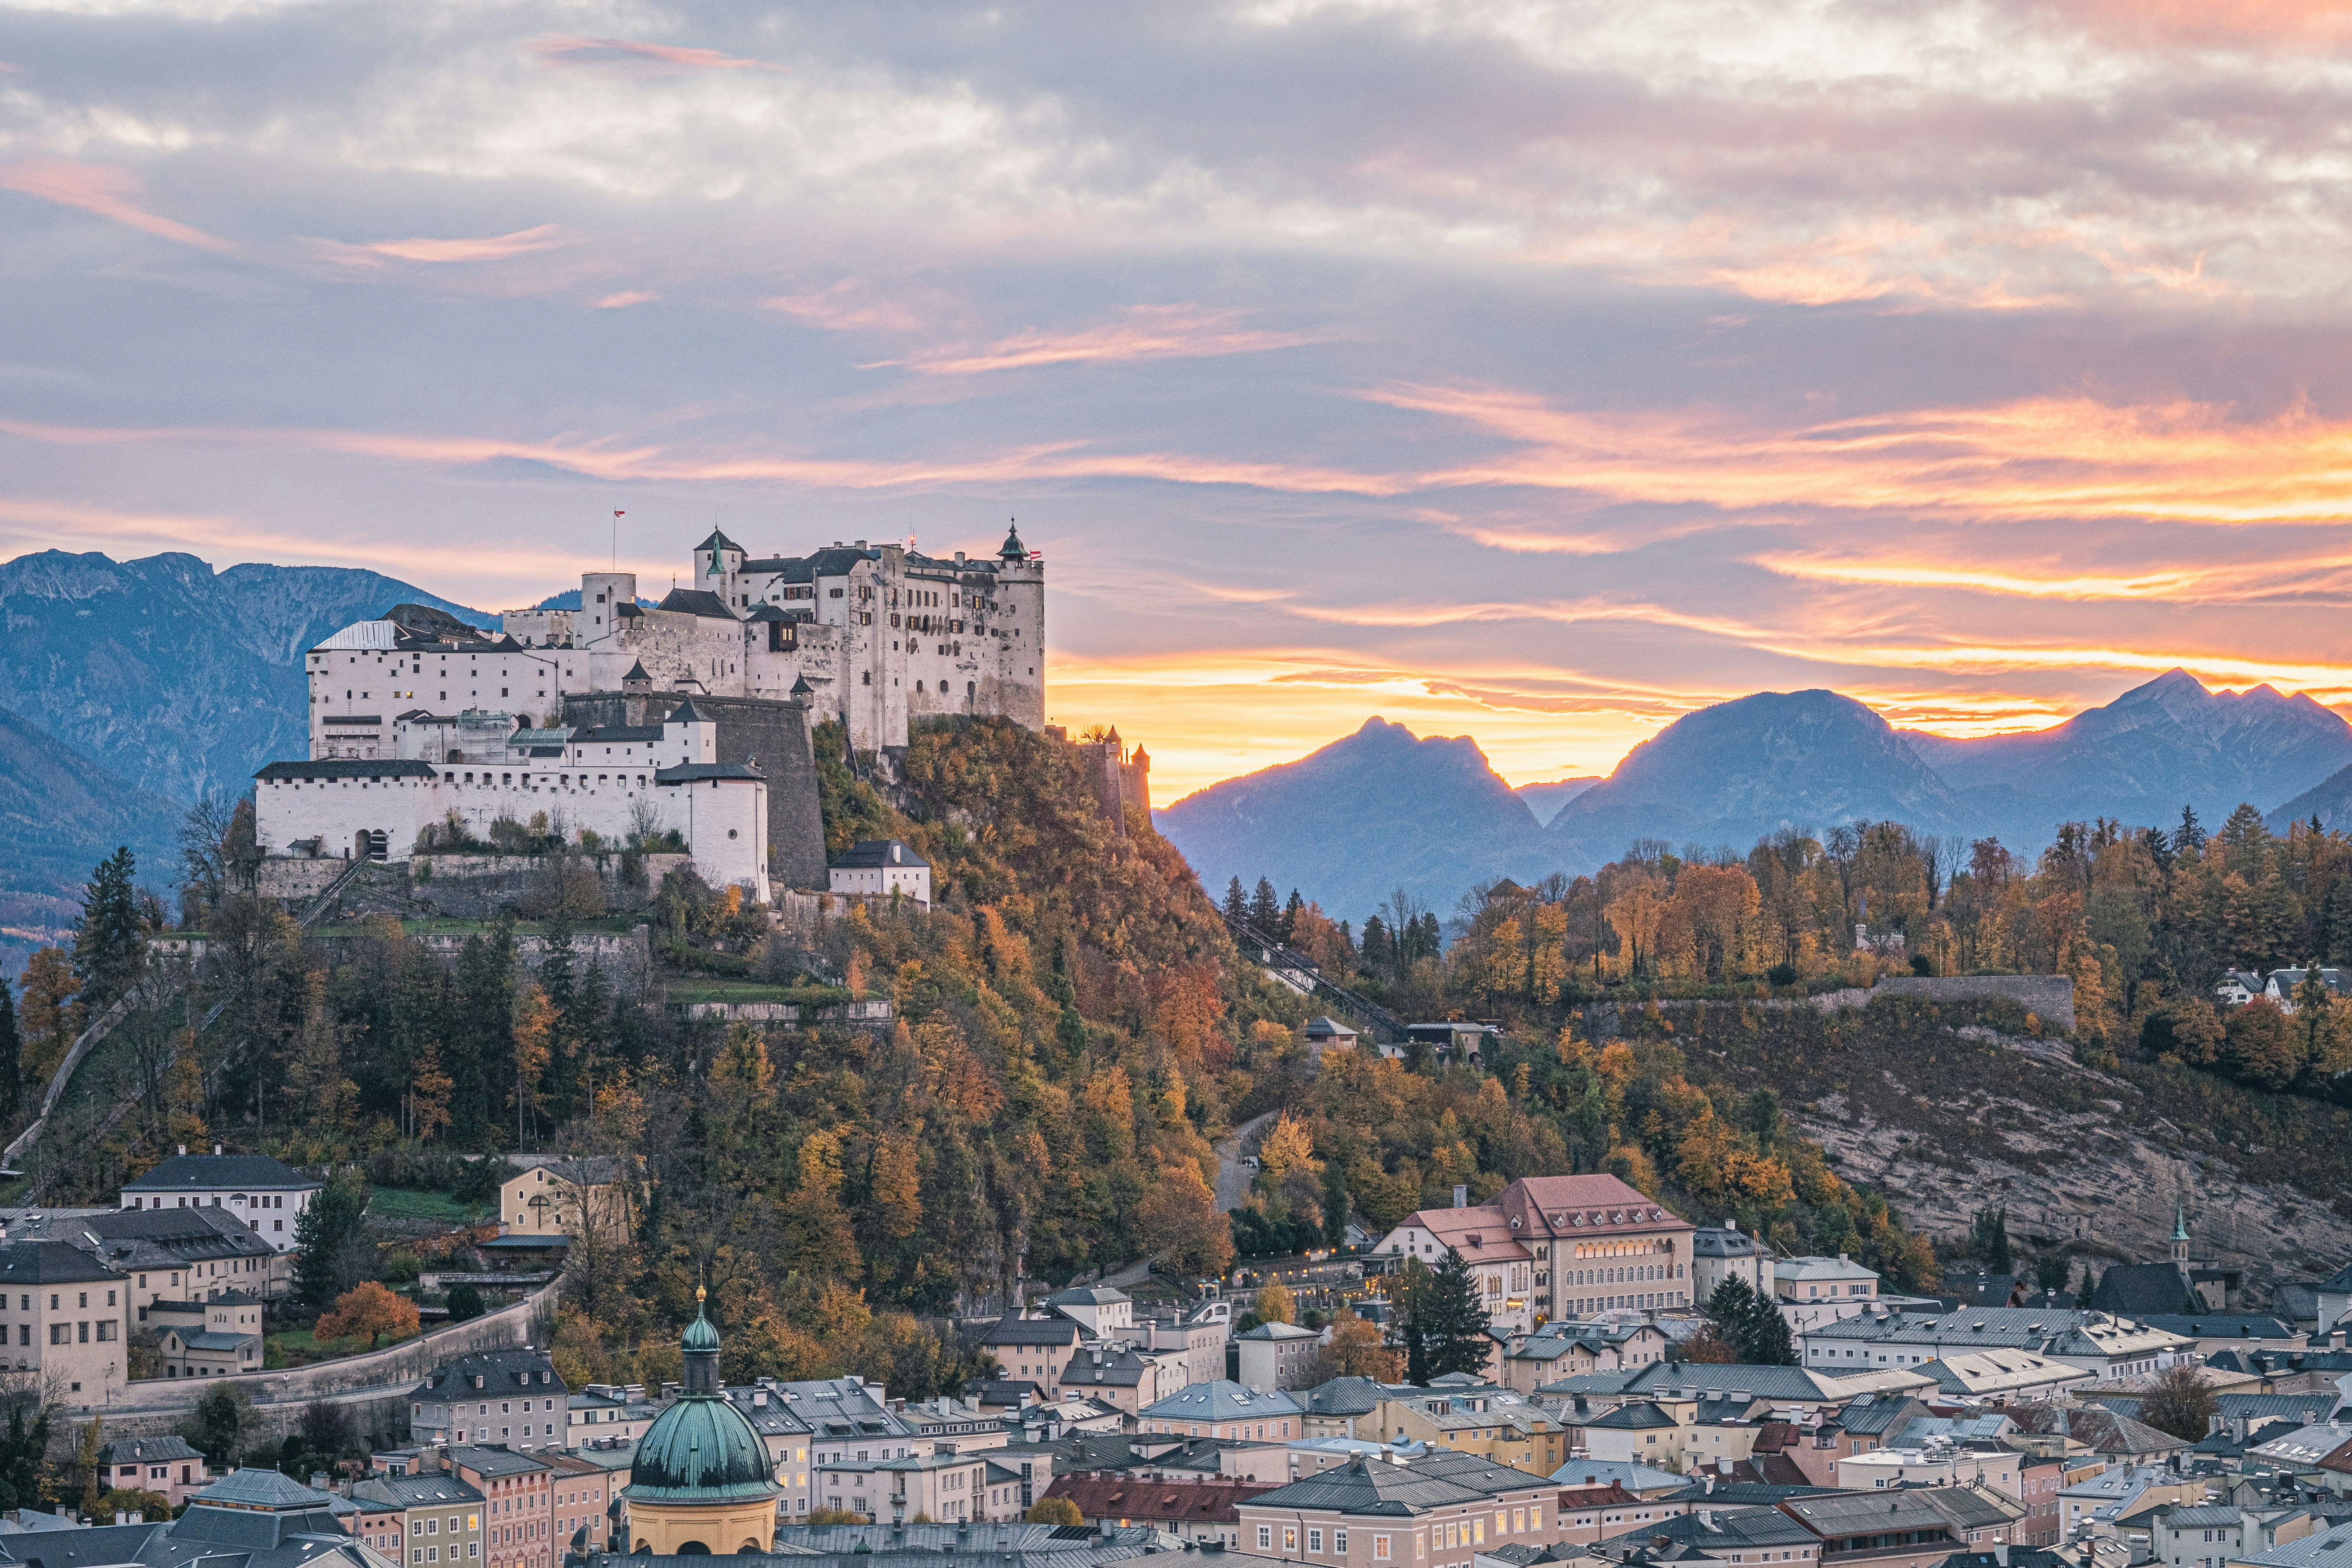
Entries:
{"x":292,"y":878}
{"x":2049,"y":997}
{"x":772,"y":736}
{"x":477,"y":887}
{"x":874,"y":1015}
{"x":625,"y":957}
{"x":374,"y":1387}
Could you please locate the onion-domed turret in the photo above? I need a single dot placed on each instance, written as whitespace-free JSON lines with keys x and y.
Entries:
{"x":700,"y":1464}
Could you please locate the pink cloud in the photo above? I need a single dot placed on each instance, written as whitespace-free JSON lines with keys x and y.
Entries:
{"x":1149,"y":331}
{"x":625,"y":298}
{"x":638,"y":58}
{"x":848,"y":307}
{"x":108,"y":193}
{"x":609,"y":459}
{"x":493,"y":248}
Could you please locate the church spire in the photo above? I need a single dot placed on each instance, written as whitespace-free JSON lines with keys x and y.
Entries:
{"x":699,"y":1346}
{"x":2179,"y":1233}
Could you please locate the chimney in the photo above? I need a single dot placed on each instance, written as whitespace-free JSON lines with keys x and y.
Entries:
{"x":1461,"y":1196}
{"x":183,"y":1148}
{"x":216,"y":1148}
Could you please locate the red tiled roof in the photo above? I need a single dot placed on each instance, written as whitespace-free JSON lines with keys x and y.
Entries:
{"x":1610,"y":1496}
{"x":1127,"y":1497}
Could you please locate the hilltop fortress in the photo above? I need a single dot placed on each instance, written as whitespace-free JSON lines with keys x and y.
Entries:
{"x":694,"y":716}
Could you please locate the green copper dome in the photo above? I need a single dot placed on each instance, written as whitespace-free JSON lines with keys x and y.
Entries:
{"x":701,"y":1450}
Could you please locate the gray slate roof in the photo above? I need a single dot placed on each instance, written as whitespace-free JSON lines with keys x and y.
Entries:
{"x":500,"y":1371}
{"x":1377,"y":1488}
{"x":1351,"y":1395}
{"x":206,"y":1172}
{"x":1220,"y":1401}
{"x":387,"y":1492}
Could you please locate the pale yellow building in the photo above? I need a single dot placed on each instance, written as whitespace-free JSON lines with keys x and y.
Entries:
{"x":565,"y":1197}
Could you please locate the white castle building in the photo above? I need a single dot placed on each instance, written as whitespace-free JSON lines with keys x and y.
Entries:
{"x":622,"y":784}
{"x":416,"y":715}
{"x":870,"y":634}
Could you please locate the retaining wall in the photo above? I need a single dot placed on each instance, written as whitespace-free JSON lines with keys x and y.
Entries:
{"x":286,"y":877}
{"x":874,"y":1015}
{"x":2048,"y":997}
{"x":375,"y":1386}
{"x":625,"y":957}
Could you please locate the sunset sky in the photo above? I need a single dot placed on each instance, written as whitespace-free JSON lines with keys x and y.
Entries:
{"x":1533,"y":372}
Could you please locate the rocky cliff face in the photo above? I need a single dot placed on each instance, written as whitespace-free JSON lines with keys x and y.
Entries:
{"x":1975,"y":1119}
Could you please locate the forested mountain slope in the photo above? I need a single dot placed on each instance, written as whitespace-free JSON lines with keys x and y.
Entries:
{"x":160,"y":669}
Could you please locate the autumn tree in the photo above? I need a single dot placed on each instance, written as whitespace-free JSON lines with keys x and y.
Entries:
{"x":51,"y":1014}
{"x":1356,"y":1350}
{"x":2180,"y":1405}
{"x":2260,"y":1047}
{"x":1275,"y":1303}
{"x":1055,"y":1511}
{"x":368,"y":1308}
{"x":1179,"y":1225}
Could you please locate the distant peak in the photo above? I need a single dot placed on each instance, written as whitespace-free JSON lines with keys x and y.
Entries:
{"x":1376,"y":725}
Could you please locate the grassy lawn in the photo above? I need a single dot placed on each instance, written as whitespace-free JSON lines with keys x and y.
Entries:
{"x":448,"y":926}
{"x":300,"y":1348}
{"x":704,"y":988}
{"x":407,"y":1202}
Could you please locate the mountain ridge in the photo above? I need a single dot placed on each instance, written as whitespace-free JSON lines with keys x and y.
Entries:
{"x":163,"y":671}
{"x":1342,"y":824}
{"x":1734,"y":771}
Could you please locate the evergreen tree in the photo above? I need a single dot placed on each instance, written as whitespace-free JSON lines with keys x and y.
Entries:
{"x":1336,"y":1207}
{"x":479,"y":1052}
{"x":1446,"y":1331}
{"x":1379,"y":950}
{"x":11,"y":1064}
{"x":1236,"y":900}
{"x":1989,"y":1237}
{"x":1290,"y":915}
{"x":1266,"y":912}
{"x":2191,"y":837}
{"x":1765,"y":1339}
{"x":24,"y":1453}
{"x":109,"y":945}
{"x":1732,"y":1303}
{"x":331,"y":1248}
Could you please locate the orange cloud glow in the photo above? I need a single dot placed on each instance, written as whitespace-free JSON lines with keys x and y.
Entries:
{"x":1183,"y":710}
{"x":1149,"y":332}
{"x":108,"y":193}
{"x":493,"y":248}
{"x":2038,"y":458}
{"x":625,"y":299}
